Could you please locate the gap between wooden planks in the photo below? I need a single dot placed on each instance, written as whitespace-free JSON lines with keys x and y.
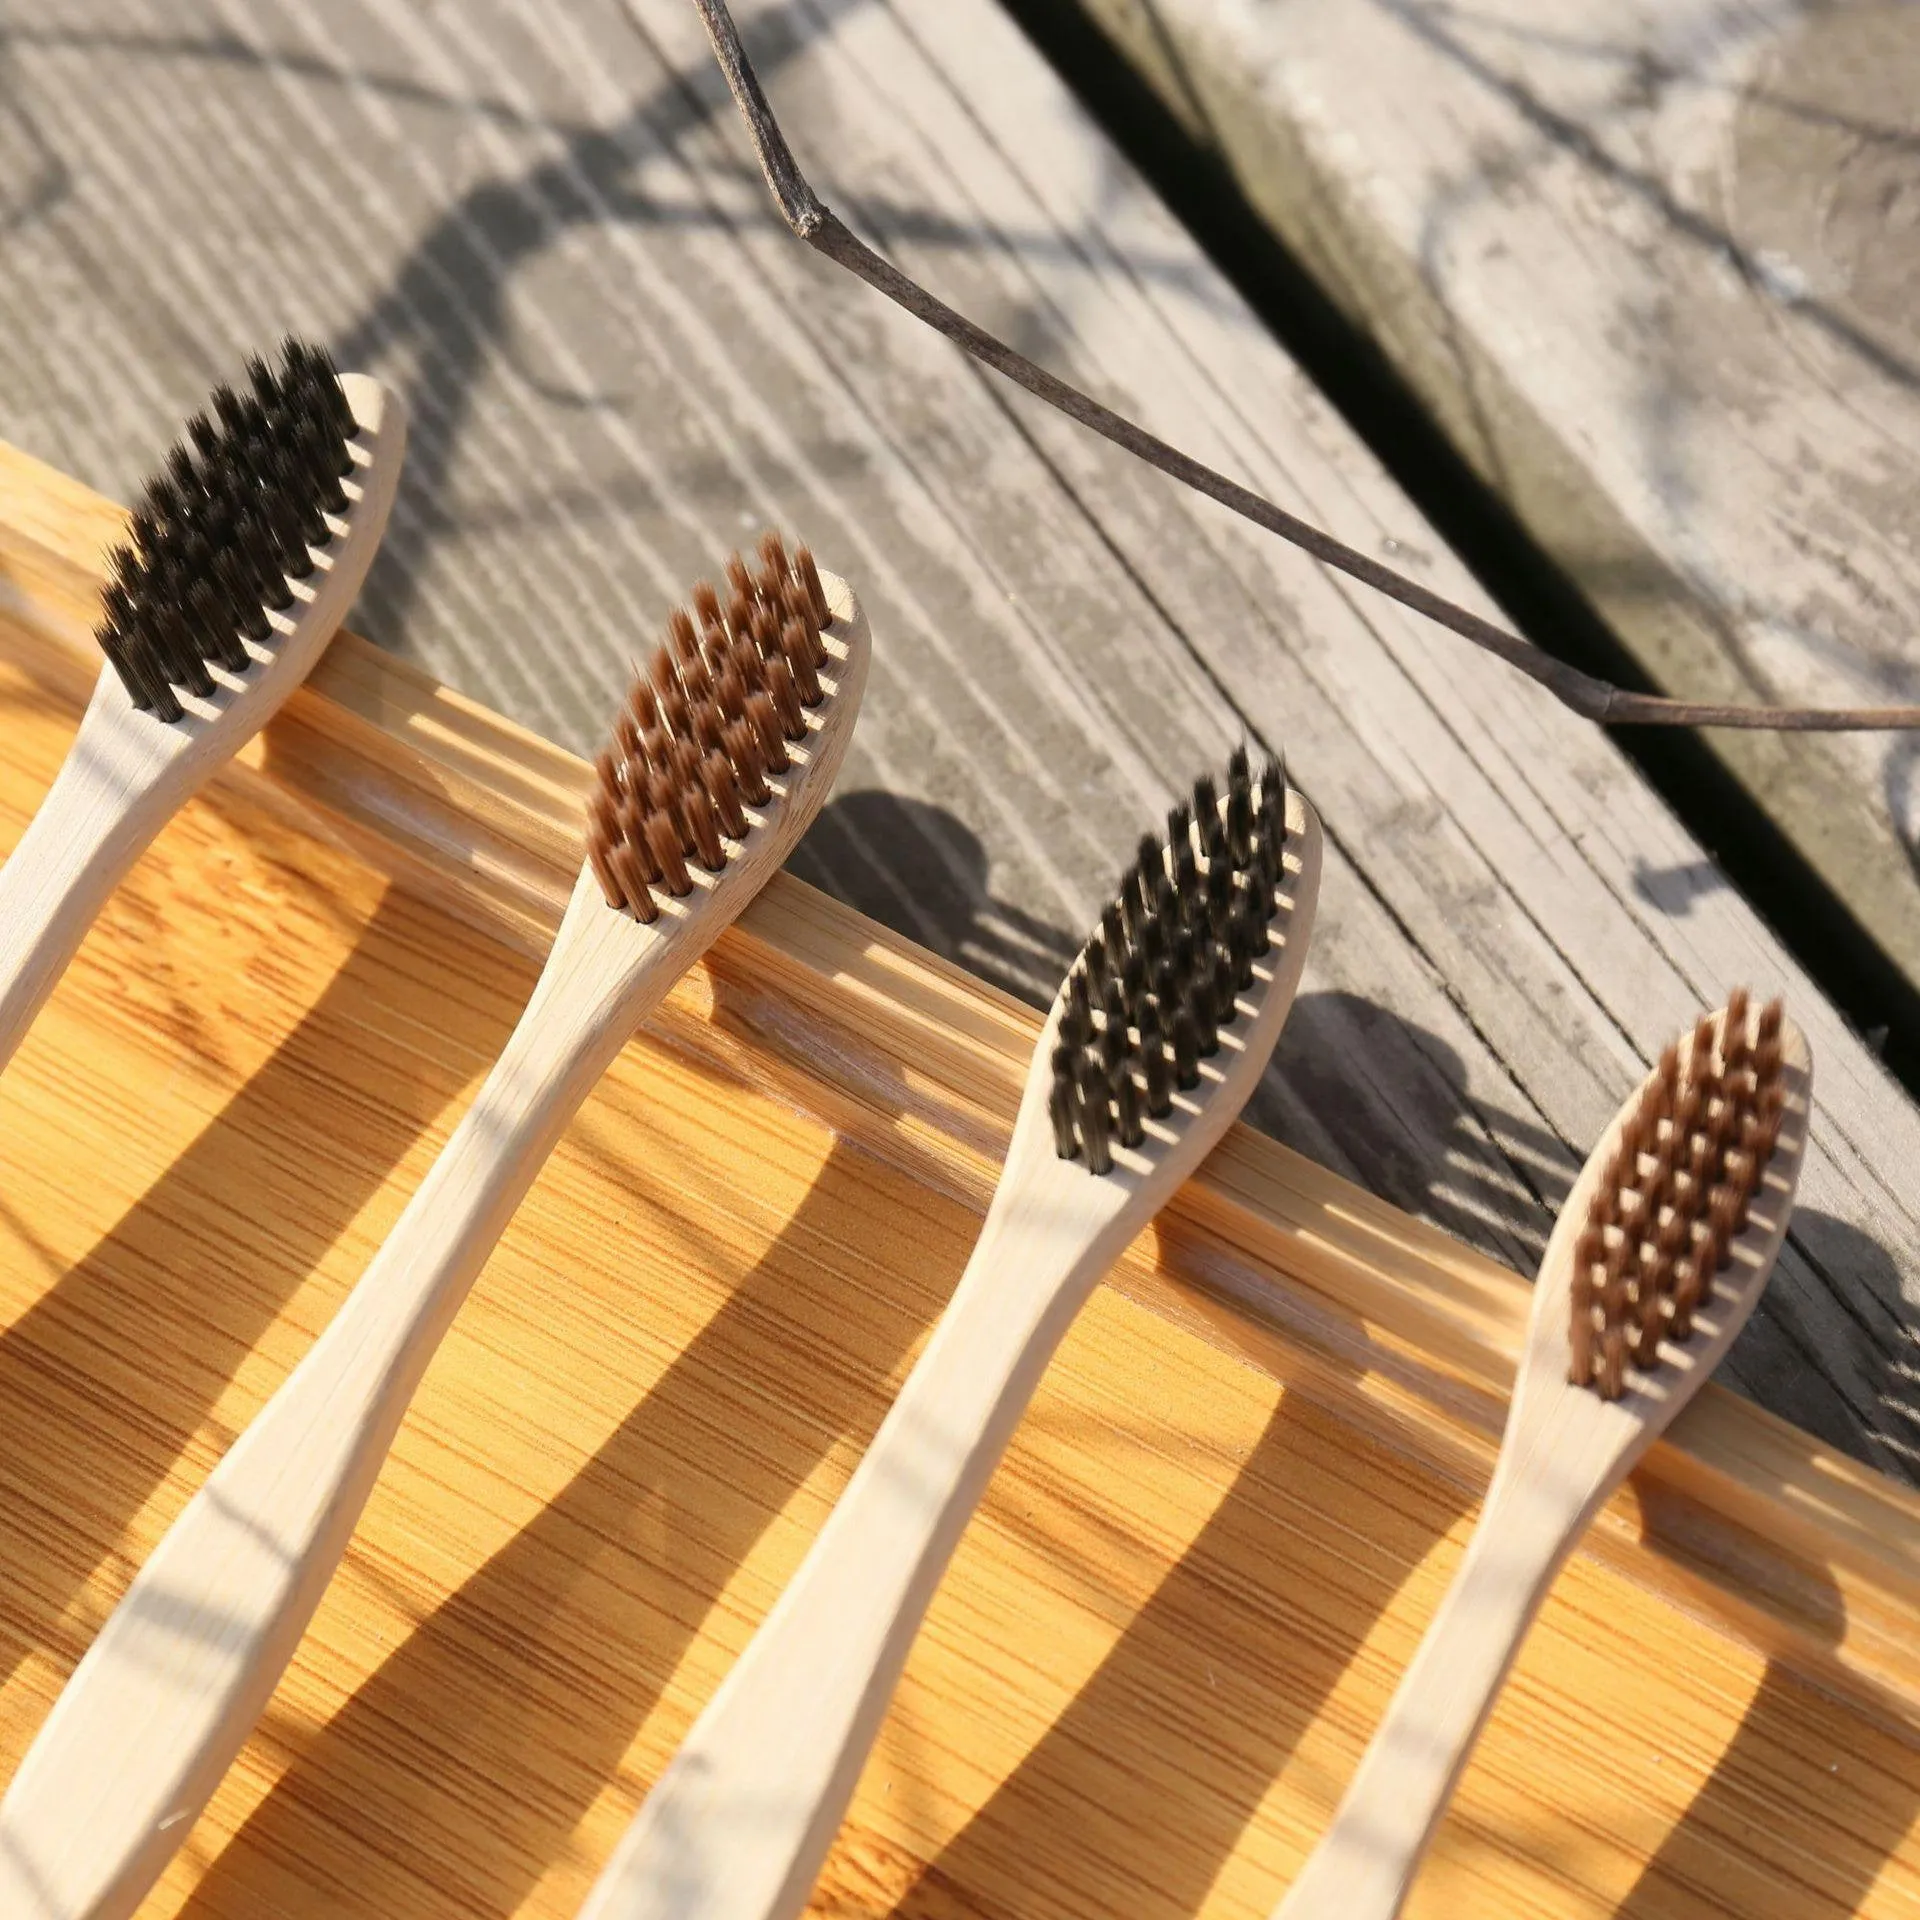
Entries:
{"x":1200,"y":1571}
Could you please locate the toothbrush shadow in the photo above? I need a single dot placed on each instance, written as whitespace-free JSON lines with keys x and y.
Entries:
{"x":488,"y":1734}
{"x":71,"y":1386}
{"x":1749,"y":1841}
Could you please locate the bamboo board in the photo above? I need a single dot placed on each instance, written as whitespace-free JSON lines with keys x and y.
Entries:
{"x":1219,"y":1532}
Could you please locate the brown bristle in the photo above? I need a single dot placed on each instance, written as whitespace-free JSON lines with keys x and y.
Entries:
{"x":766,"y":729}
{"x":697,"y":678}
{"x":743,"y":749}
{"x":664,"y":844}
{"x":1675,"y":1192}
{"x":796,"y":608}
{"x":786,"y":698}
{"x":704,"y":825}
{"x":704,"y":722}
{"x":798,"y":651}
{"x":708,"y":725}
{"x":744,"y":658}
{"x":723,"y":788}
{"x":681,"y":638}
{"x":810,"y":579}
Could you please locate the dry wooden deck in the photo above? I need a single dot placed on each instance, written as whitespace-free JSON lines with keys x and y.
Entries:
{"x":1654,"y":266}
{"x":542,"y":221}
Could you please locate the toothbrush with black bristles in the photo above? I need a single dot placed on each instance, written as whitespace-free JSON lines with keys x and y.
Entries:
{"x":242,"y":558}
{"x":720,"y":757}
{"x":1158,"y":1035}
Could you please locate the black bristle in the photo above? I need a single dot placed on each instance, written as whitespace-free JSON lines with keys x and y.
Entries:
{"x":211,"y":623}
{"x":1186,"y":872}
{"x":1206,"y":1023}
{"x":1239,"y":807}
{"x":1179,"y":826}
{"x":1248,"y":939}
{"x":1186,"y":1048}
{"x":227,"y":410}
{"x":1060,"y":1104}
{"x":1113,"y":1032}
{"x":1273,"y":800}
{"x":1076,"y":1017}
{"x":1219,"y":896}
{"x":244,"y":599}
{"x":1165,"y":970}
{"x":236,"y":506}
{"x":1224,"y":985}
{"x":1213,"y":839}
{"x":1181,"y":950}
{"x":1153,"y":1062}
{"x":1137,"y":896}
{"x":1090,"y":1117}
{"x":265,"y":384}
{"x":1095,"y":960}
{"x":1152,"y":937}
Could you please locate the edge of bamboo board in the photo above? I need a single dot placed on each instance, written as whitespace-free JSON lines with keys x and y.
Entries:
{"x":1813,"y":1555}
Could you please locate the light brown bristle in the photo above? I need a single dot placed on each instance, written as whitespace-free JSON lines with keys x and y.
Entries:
{"x":810,"y":579}
{"x":1674,"y":1194}
{"x":708,"y":716}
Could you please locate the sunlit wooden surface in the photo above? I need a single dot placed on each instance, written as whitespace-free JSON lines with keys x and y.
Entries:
{"x":1188,"y":1592}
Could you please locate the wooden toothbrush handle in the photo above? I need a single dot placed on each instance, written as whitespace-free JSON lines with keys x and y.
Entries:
{"x":740,"y":1822}
{"x":1366,"y":1861}
{"x":74,"y":852}
{"x":165,"y":1697}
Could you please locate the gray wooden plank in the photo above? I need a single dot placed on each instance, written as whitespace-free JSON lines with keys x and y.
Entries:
{"x":543,"y":223}
{"x":1653,"y":266}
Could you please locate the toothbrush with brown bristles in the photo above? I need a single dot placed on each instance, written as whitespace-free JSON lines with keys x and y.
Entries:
{"x":1159,"y":1033}
{"x":1657,"y":1259}
{"x":242,"y":557}
{"x":721,"y":756}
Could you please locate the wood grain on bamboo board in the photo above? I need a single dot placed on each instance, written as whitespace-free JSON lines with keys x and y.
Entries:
{"x":547,"y":232}
{"x":174,"y":1681}
{"x":1160,"y":1647}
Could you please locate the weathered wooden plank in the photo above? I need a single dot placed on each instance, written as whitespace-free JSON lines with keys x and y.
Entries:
{"x":543,"y":222}
{"x":1653,"y":266}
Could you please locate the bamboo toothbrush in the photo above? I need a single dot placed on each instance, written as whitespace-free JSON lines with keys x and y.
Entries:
{"x":1157,"y":1037}
{"x":245,"y":553}
{"x":721,"y":756}
{"x":1655,"y":1263}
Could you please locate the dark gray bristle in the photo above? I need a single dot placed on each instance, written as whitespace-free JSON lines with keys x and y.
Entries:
{"x":1179,"y":826}
{"x":1164,"y":970}
{"x":232,"y":517}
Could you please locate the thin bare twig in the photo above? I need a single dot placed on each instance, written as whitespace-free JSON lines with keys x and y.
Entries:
{"x":817,"y":224}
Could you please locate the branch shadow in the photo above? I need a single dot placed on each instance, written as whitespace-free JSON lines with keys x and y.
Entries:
{"x":70,"y":1390}
{"x":1117,"y":1763}
{"x":477,"y":1738}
